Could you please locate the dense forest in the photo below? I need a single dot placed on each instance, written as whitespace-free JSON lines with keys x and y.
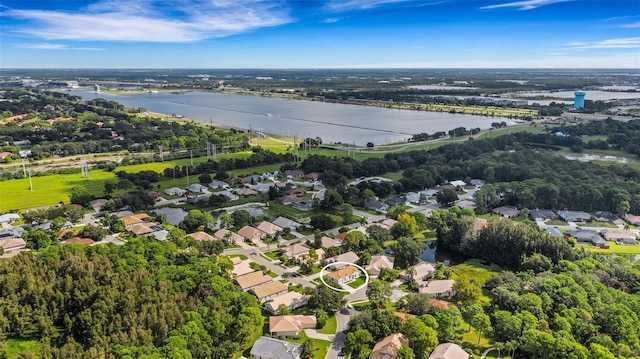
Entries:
{"x":143,"y":299}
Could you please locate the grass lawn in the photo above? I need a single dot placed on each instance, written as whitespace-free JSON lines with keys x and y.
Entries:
{"x":241,"y":256}
{"x":330,"y":327}
{"x":598,"y":224}
{"x":357,"y":283}
{"x":396,"y":176}
{"x":273,"y":255}
{"x":362,"y":306}
{"x":320,"y":347}
{"x":614,"y":248}
{"x":556,"y":222}
{"x":15,"y":347}
{"x":474,"y":269}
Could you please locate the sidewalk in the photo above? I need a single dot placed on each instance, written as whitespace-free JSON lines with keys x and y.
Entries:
{"x":313,"y":334}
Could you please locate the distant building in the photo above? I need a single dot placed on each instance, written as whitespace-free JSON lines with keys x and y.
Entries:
{"x":579,"y":99}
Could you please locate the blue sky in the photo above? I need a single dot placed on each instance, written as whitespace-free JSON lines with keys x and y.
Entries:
{"x":320,"y":34}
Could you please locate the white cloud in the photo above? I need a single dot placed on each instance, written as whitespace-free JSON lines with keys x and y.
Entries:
{"x":524,"y":5}
{"x":634,"y":25}
{"x":350,"y":5}
{"x":153,"y":20}
{"x":46,"y":46}
{"x":621,"y":43}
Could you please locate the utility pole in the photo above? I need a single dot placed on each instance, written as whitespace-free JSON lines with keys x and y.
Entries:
{"x":24,"y":168}
{"x":191,"y":152}
{"x":187,"y":175}
{"x":161,"y":154}
{"x":30,"y":183}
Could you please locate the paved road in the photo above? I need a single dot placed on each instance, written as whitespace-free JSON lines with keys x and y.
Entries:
{"x":486,"y":352}
{"x":342,"y":319}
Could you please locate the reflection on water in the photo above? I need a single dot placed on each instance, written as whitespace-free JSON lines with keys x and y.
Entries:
{"x":432,"y":254}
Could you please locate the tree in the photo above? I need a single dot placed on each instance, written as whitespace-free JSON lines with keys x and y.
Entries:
{"x":241,"y":218}
{"x":470,"y":311}
{"x":481,"y":323}
{"x":307,"y":349}
{"x":326,"y":299}
{"x":332,"y":199}
{"x":447,"y":196}
{"x":57,"y":223}
{"x":379,"y":293}
{"x":322,"y":222}
{"x":405,"y":352}
{"x":37,"y":238}
{"x":109,"y":187}
{"x":81,"y":196}
{"x":194,"y":220}
{"x":467,"y":290}
{"x":95,"y":233}
{"x":204,"y":179}
{"x":358,"y":344}
{"x":72,"y":213}
{"x":405,"y":227}
{"x":422,"y":339}
{"x":407,"y":253}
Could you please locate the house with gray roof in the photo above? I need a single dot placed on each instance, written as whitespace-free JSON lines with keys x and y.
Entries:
{"x":175,"y":191}
{"x":553,"y":230}
{"x":589,"y":236}
{"x":197,"y":188}
{"x":269,"y":348}
{"x":215,"y":184}
{"x":507,"y":211}
{"x":574,"y":216}
{"x":286,"y":223}
{"x":376,"y":205}
{"x":542,"y":215}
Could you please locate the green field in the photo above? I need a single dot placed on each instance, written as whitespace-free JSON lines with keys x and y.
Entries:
{"x":330,"y":327}
{"x":474,"y":269}
{"x":15,"y":347}
{"x":614,"y":248}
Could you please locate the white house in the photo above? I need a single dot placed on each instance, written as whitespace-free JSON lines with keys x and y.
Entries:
{"x":175,"y":191}
{"x":438,"y":288}
{"x":291,"y":300}
{"x":344,"y":275}
{"x":379,"y":262}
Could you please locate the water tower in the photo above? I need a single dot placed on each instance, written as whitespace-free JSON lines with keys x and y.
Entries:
{"x":579,"y":99}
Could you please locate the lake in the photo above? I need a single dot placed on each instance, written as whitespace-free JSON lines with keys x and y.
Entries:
{"x":330,"y":121}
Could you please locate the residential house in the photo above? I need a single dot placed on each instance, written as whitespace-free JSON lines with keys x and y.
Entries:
{"x":574,"y":216}
{"x":388,"y":347}
{"x":439,"y":303}
{"x":201,"y":236}
{"x":13,"y":232}
{"x":12,"y":244}
{"x":269,"y":290}
{"x":269,"y":228}
{"x":379,"y":262}
{"x":542,"y":215}
{"x":421,"y":272}
{"x":466,"y":204}
{"x":289,"y":200}
{"x":135,"y":219}
{"x":230,"y":195}
{"x":388,"y":223}
{"x":413,"y":197}
{"x":246,"y":192}
{"x":139,"y":228}
{"x":477,"y":182}
{"x":632,"y":219}
{"x":427,"y":193}
{"x":303,"y":205}
{"x":263,"y":187}
{"x":269,"y":348}
{"x":251,"y":233}
{"x":155,"y":195}
{"x":293,"y":173}
{"x":589,"y":236}
{"x":328,"y":242}
{"x":96,"y":204}
{"x":175,"y":191}
{"x":507,"y":211}
{"x":312,"y":177}
{"x":298,"y":192}
{"x":290,"y":325}
{"x":253,"y":179}
{"x":292,"y":300}
{"x":604,"y":216}
{"x":226,"y":235}
{"x":438,"y":288}
{"x":458,"y":184}
{"x":376,"y":205}
{"x":9,"y":218}
{"x":161,"y":235}
{"x":296,"y":251}
{"x":197,"y":188}
{"x":78,"y":240}
{"x":284,"y":222}
{"x":555,"y":231}
{"x":348,"y":257}
{"x":341,"y":236}
{"x":215,"y":184}
{"x":345,"y":275}
{"x":621,"y":237}
{"x":252,"y":280}
{"x":242,"y":267}
{"x":397,"y":201}
{"x":448,"y":351}
{"x":235,"y":181}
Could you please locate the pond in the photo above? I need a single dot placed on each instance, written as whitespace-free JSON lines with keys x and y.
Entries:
{"x":431,"y":254}
{"x":172,"y":215}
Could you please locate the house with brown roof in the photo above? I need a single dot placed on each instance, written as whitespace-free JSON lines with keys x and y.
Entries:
{"x":224,"y":234}
{"x":139,"y":228}
{"x":252,"y":280}
{"x":269,"y":290}
{"x":344,"y":275}
{"x":296,"y":251}
{"x":289,"y":200}
{"x":439,"y":303}
{"x":242,"y":267}
{"x":448,"y":351}
{"x":379,"y":262}
{"x":328,"y":242}
{"x":292,"y":300}
{"x":312,"y":177}
{"x":269,"y":228}
{"x":251,"y":233}
{"x":438,"y":288}
{"x":290,"y":325}
{"x":245,"y":192}
{"x":349,"y":257}
{"x":13,"y":244}
{"x":298,"y":192}
{"x":201,"y":236}
{"x":78,"y":240}
{"x":388,"y":347}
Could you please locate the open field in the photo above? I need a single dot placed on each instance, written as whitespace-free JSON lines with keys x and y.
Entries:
{"x":474,"y":269}
{"x":614,"y":249}
{"x":15,"y":347}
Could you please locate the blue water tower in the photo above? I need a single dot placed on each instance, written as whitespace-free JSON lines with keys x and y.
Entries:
{"x":579,"y":99}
